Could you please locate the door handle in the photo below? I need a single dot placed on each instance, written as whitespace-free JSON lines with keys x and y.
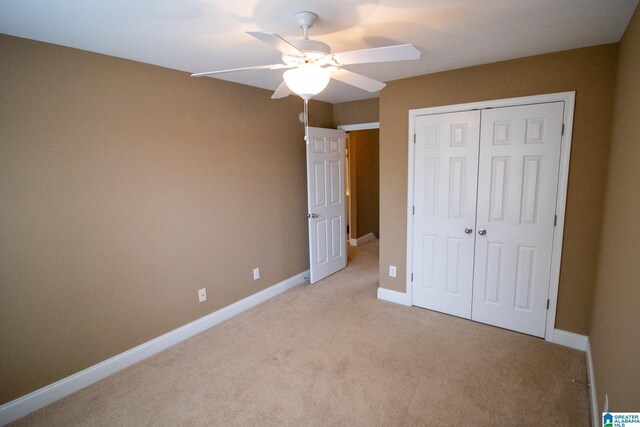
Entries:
{"x":482,"y":232}
{"x":313,"y":215}
{"x":468,"y":230}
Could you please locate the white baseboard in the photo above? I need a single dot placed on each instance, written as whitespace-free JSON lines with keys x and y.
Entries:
{"x":364,"y":239}
{"x":593,"y":397}
{"x":394,"y":296}
{"x":581,"y":342}
{"x":28,"y":403}
{"x":569,"y":339}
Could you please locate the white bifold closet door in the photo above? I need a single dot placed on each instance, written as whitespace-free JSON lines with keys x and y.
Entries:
{"x":485,"y":186}
{"x":446,"y":173}
{"x":517,"y":188}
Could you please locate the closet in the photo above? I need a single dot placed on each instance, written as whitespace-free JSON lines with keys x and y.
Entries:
{"x":485,"y":185}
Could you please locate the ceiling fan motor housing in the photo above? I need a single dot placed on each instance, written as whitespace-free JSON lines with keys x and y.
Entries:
{"x":314,"y":50}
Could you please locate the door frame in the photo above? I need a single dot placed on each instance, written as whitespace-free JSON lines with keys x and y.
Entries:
{"x":360,"y":126}
{"x":561,"y":198}
{"x":347,"y":129}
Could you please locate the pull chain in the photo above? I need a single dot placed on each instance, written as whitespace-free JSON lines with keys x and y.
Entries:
{"x":306,"y":121}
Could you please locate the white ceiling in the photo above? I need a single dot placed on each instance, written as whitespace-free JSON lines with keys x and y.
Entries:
{"x":205,"y":35}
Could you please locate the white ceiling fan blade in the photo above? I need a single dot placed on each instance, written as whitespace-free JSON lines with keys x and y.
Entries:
{"x":276,"y":42}
{"x":232,"y":70}
{"x":399,"y":52}
{"x":357,"y":80}
{"x":282,"y":92}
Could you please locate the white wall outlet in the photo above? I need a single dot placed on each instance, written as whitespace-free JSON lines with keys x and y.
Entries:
{"x":392,"y":271}
{"x":202,"y":294}
{"x":256,"y":273}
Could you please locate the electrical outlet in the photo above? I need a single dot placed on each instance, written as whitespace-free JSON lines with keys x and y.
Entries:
{"x":392,"y":271}
{"x":256,"y":273}
{"x":202,"y":294}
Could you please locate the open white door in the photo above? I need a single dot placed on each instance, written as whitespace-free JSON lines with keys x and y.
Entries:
{"x":326,"y":202}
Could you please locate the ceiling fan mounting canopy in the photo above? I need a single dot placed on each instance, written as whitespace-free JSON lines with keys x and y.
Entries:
{"x":305,"y":19}
{"x":314,"y":63}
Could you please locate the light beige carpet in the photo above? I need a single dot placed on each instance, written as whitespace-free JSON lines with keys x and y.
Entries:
{"x":332,"y":354}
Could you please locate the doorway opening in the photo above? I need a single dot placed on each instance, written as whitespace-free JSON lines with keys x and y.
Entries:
{"x":362,"y":182}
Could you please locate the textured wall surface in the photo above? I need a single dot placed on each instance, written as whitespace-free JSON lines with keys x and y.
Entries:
{"x":356,"y":112}
{"x":615,"y":327}
{"x":126,"y":187}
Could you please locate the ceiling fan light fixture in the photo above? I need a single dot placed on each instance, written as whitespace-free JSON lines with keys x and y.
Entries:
{"x":307,"y":80}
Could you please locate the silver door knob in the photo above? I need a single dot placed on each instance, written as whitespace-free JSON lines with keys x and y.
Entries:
{"x":482,"y":232}
{"x":468,"y":230}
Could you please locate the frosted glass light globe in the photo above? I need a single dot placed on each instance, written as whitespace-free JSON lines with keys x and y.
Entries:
{"x":307,"y":80}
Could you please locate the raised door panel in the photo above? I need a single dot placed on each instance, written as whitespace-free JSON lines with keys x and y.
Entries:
{"x":322,"y":239}
{"x":320,"y":174}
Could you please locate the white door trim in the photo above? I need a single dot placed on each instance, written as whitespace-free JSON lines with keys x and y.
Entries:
{"x":360,"y":126}
{"x":561,"y":199}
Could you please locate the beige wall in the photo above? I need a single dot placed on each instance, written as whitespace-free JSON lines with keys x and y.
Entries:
{"x":591,"y":73}
{"x":615,"y":326}
{"x":124,"y":188}
{"x":356,"y":112}
{"x":364,"y":160}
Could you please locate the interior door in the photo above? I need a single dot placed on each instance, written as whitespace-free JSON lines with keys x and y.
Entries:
{"x":445,"y":186}
{"x":326,"y":202}
{"x":517,"y":188}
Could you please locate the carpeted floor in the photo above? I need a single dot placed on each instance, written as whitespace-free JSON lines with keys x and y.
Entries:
{"x":332,"y":354}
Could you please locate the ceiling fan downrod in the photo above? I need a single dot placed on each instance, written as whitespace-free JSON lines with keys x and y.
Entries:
{"x":305,"y":20}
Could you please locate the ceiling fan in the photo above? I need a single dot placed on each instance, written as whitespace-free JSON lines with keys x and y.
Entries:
{"x":311,"y":64}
